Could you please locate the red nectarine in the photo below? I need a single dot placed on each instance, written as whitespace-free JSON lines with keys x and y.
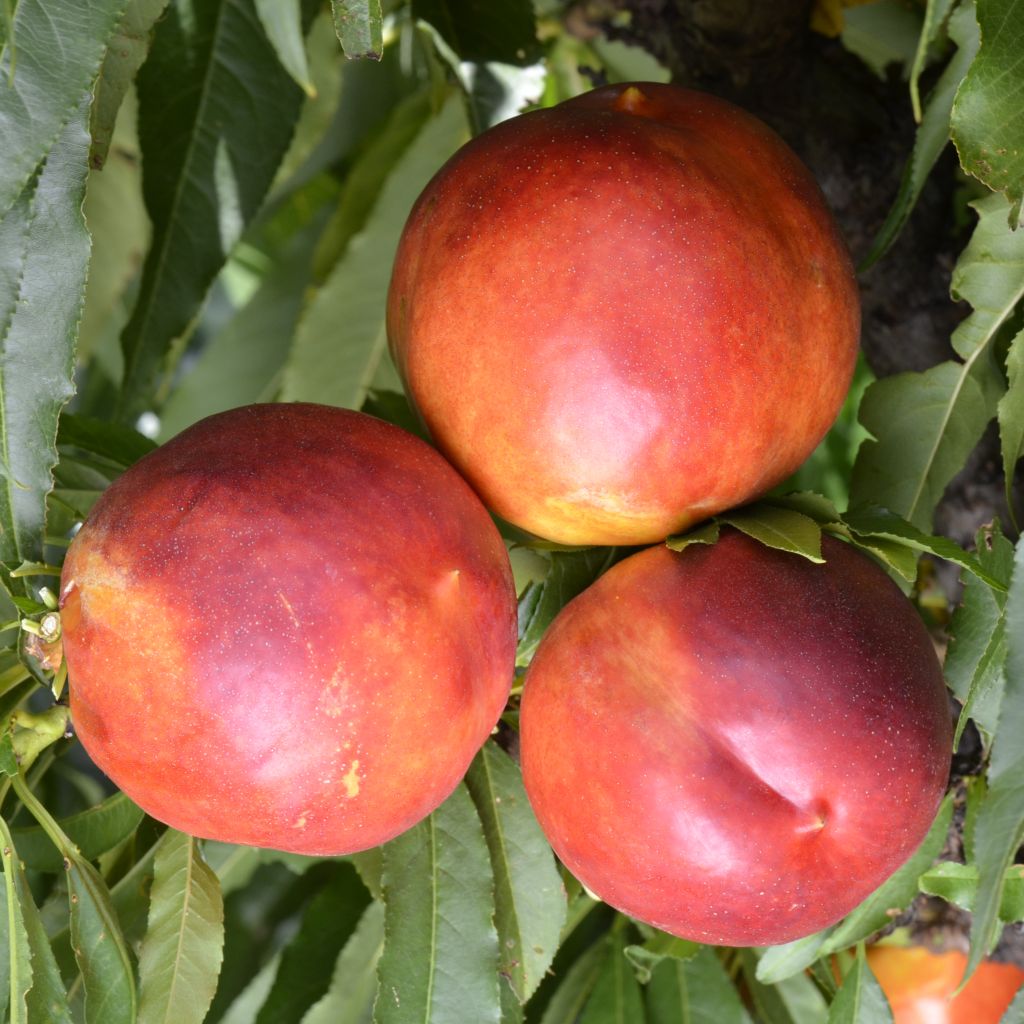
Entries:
{"x":623,"y":314}
{"x":291,"y":626}
{"x":733,"y":743}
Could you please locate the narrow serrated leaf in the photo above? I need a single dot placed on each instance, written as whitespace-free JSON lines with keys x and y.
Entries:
{"x":926,"y":424}
{"x":776,"y":527}
{"x":349,"y":998}
{"x":767,"y":1002}
{"x":987,"y":128}
{"x":933,"y":132}
{"x":182,"y":950}
{"x":695,"y":991}
{"x":60,"y":46}
{"x":530,"y":904}
{"x":574,"y":990}
{"x":706,"y":534}
{"x":308,"y":961}
{"x":999,"y":827}
{"x":616,"y":997}
{"x":99,"y":947}
{"x":658,"y":946}
{"x":860,"y":999}
{"x":360,"y":27}
{"x":441,"y":948}
{"x":895,"y":894}
{"x":779,"y":962}
{"x":282,"y":21}
{"x":935,"y":14}
{"x":206,"y":166}
{"x":126,"y":52}
{"x":958,"y":883}
{"x":44,"y":253}
{"x":1011,"y":416}
{"x":340,"y":340}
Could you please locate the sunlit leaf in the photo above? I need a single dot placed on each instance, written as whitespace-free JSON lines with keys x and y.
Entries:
{"x":359,"y":24}
{"x":282,"y":21}
{"x":860,"y":999}
{"x":776,"y":527}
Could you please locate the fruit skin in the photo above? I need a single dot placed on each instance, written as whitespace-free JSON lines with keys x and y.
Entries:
{"x":732,"y":743}
{"x":292,"y":626}
{"x":623,"y":314}
{"x":920,"y":984}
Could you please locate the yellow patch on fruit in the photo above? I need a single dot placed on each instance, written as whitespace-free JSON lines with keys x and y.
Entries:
{"x":351,"y":780}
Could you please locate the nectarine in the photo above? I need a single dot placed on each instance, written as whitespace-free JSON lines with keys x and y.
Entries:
{"x":920,"y":986}
{"x":733,"y":743}
{"x":623,"y":314}
{"x":292,"y":626}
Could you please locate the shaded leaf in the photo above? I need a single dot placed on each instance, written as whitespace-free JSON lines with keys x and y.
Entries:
{"x":181,"y":953}
{"x":125,"y":54}
{"x":860,"y":999}
{"x":1011,"y":416}
{"x":999,"y":827}
{"x":530,"y":904}
{"x":46,"y":95}
{"x":779,"y":962}
{"x":936,"y":12}
{"x":121,"y":445}
{"x":308,"y":961}
{"x":44,"y":253}
{"x":657,"y":946}
{"x":349,"y":997}
{"x":340,"y":340}
{"x":575,"y":989}
{"x":282,"y":21}
{"x":616,"y":997}
{"x":768,"y":1005}
{"x":697,"y":991}
{"x":94,"y":831}
{"x":987,"y":128}
{"x":933,"y":132}
{"x":926,"y":424}
{"x":207,"y":167}
{"x":503,"y":32}
{"x":441,"y":948}
{"x":360,"y":27}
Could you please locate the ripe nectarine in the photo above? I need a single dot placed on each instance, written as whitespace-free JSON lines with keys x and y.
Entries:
{"x":291,"y":626}
{"x":623,"y":314}
{"x":732,"y":743}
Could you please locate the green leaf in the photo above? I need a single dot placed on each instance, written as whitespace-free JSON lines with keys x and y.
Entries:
{"x":999,"y":828}
{"x":987,"y":127}
{"x":441,"y":949}
{"x":182,"y":951}
{"x":768,"y":1005}
{"x":926,"y":424}
{"x":349,"y":997}
{"x":99,"y":947}
{"x":121,"y":445}
{"x":1015,"y":1011}
{"x":860,"y":999}
{"x":896,"y":893}
{"x":875,"y":522}
{"x":308,"y":961}
{"x":616,"y":997}
{"x":125,"y":54}
{"x":779,"y":962}
{"x":340,"y":340}
{"x":44,"y":253}
{"x":207,"y":167}
{"x":706,"y":534}
{"x":503,"y":32}
{"x":360,"y":27}
{"x":1011,"y":417}
{"x":244,"y":1008}
{"x":570,"y":574}
{"x":697,"y":991}
{"x":282,"y":21}
{"x":958,"y":883}
{"x":60,"y":46}
{"x":657,"y":946}
{"x":933,"y":133}
{"x":936,"y":12}
{"x":93,"y":831}
{"x":776,"y":527}
{"x":815,"y":506}
{"x":530,"y":904}
{"x":574,"y":990}
{"x":977,"y":649}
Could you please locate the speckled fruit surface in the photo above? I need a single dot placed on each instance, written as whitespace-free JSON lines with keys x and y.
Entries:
{"x":624,"y":313}
{"x":921,"y":985}
{"x":292,"y":626}
{"x":732,"y":743}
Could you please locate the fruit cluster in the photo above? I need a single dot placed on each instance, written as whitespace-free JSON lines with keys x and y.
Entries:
{"x":293,"y":626}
